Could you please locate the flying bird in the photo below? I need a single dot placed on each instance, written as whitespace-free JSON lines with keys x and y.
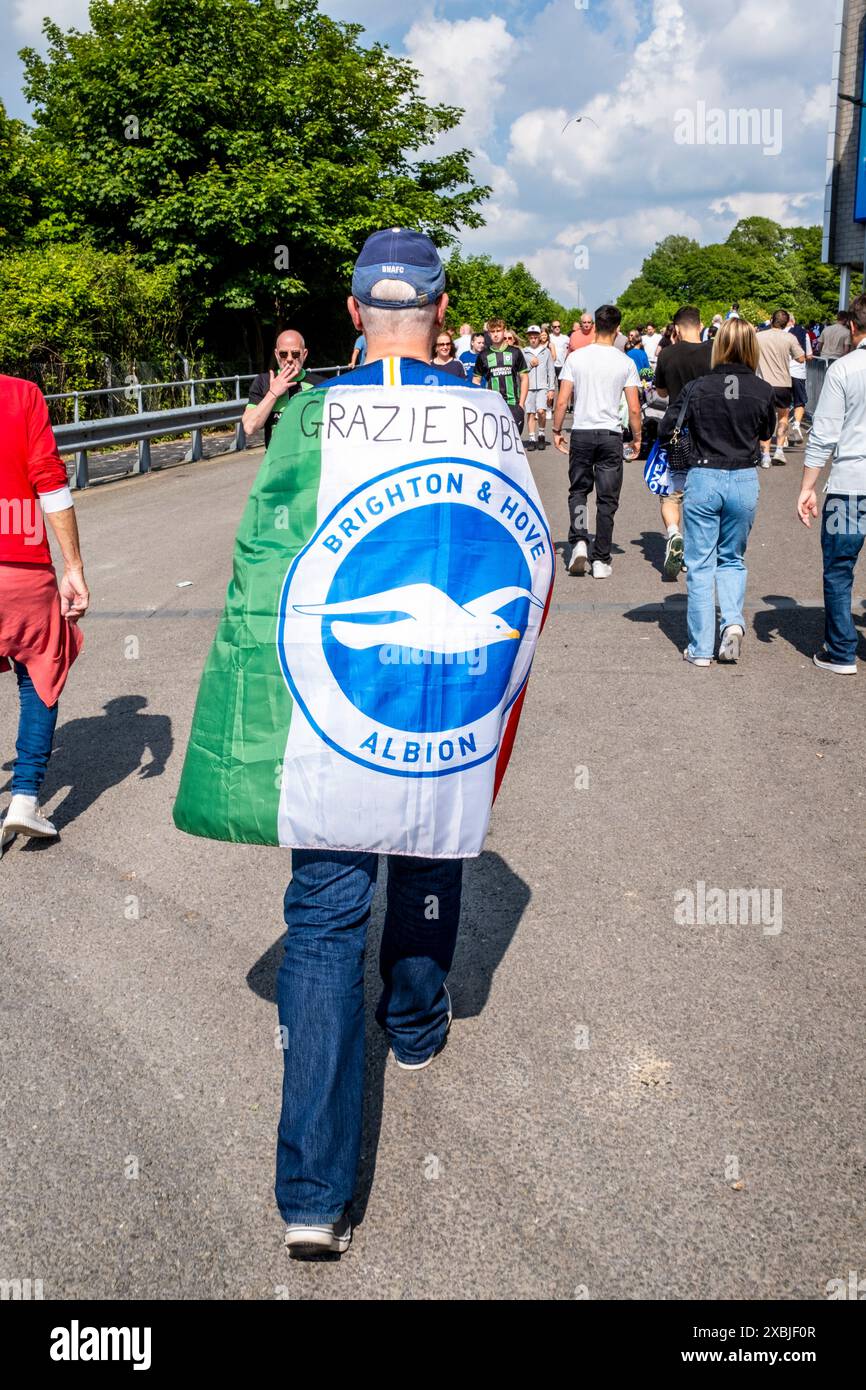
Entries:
{"x":431,"y":621}
{"x":577,"y":120}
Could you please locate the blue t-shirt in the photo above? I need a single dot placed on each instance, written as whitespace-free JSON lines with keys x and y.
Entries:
{"x":361,"y":344}
{"x":468,"y":359}
{"x":639,"y":358}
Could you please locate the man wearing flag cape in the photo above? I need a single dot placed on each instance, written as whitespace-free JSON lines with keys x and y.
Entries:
{"x":392,"y":572}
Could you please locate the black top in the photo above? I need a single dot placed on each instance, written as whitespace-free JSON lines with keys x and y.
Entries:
{"x":682,"y":362}
{"x":730,"y":411}
{"x":455,"y":367}
{"x":500,"y":369}
{"x":261,"y":385}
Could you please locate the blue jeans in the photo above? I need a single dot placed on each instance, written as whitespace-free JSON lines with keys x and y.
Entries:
{"x":841,"y":543}
{"x":320,"y":997}
{"x":718,"y":511}
{"x":36,"y":725}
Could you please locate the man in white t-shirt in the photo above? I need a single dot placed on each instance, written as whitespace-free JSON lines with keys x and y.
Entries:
{"x":464,"y":342}
{"x":596,"y":377}
{"x":651,"y":340}
{"x":558,"y":346}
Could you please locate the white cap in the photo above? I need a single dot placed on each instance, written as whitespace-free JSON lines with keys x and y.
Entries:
{"x":533,"y":328}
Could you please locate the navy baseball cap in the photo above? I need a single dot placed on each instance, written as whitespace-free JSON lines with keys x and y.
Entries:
{"x":399,"y":254}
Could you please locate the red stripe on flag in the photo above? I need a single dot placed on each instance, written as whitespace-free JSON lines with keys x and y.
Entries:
{"x":513,"y":720}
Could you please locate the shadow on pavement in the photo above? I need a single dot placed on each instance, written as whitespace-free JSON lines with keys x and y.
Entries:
{"x":91,"y":755}
{"x":494,"y":900}
{"x":653,"y":544}
{"x":801,"y":627}
{"x":669,"y":614}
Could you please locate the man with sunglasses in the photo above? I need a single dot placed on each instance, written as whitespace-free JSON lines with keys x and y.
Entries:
{"x":270,"y":390}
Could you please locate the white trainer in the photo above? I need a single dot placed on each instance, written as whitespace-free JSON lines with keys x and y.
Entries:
{"x":25,"y":818}
{"x":729,"y":647}
{"x":601,"y":570}
{"x":579,"y":557}
{"x":765,"y":460}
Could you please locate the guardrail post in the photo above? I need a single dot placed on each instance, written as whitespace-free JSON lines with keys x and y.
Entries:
{"x":240,"y":436}
{"x":81,"y":476}
{"x":195,"y":447}
{"x":143,"y":462}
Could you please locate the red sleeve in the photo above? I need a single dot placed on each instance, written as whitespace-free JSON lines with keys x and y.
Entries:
{"x":45,"y":468}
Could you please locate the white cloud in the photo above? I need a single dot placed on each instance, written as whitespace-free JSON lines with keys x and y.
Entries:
{"x":785,"y":208}
{"x":463,"y":62}
{"x":27,"y":16}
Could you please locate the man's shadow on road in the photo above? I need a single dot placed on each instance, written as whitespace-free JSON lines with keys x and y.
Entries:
{"x":494,"y":900}
{"x":801,"y":627}
{"x":93,"y":754}
{"x":669,"y":614}
{"x":653,"y":545}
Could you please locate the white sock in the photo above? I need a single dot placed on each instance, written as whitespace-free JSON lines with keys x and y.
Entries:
{"x":532,"y":436}
{"x":672,"y":531}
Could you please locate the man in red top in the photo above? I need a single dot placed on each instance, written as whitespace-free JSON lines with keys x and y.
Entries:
{"x":583,"y":333}
{"x":38,"y":619}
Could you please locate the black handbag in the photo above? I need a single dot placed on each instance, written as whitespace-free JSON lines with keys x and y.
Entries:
{"x":680,"y":449}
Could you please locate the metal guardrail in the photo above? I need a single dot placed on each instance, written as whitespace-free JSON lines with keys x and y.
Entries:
{"x":141,"y":429}
{"x":141,"y":426}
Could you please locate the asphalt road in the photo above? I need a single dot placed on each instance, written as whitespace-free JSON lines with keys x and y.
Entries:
{"x":629,"y":1107}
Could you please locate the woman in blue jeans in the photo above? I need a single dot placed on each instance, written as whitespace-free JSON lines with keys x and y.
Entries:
{"x":730,"y":417}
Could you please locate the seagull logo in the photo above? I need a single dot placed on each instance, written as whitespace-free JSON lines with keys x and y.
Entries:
{"x":429,"y":620}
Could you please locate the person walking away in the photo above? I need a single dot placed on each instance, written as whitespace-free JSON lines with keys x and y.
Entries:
{"x":679,"y":364}
{"x":839,"y":429}
{"x":777,"y":349}
{"x":593,"y":380}
{"x":730,"y":416}
{"x":542,"y":384}
{"x":271,"y":391}
{"x":503,"y":368}
{"x":837,"y":339}
{"x":400,"y":484}
{"x":39,"y":633}
{"x":799,"y":378}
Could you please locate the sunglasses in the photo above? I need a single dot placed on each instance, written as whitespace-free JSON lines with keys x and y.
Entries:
{"x":295,"y":353}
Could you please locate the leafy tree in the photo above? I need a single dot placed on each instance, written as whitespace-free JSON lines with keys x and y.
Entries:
{"x":479,"y":289}
{"x":761,"y":265}
{"x":64,"y":310}
{"x":16,"y":184}
{"x":249,"y":146}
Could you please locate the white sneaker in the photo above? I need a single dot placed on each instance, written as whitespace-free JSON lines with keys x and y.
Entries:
{"x":25,"y":818}
{"x":765,"y":460}
{"x":729,"y":647}
{"x":600,"y":570}
{"x":579,"y":558}
{"x":697,"y":660}
{"x":779,"y":456}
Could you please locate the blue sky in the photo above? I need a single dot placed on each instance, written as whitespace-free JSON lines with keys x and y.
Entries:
{"x":582,"y":207}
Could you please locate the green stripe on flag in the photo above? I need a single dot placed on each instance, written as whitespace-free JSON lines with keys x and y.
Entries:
{"x":230,"y":785}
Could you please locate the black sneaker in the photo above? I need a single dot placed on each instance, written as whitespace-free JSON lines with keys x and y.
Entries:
{"x":542,"y":442}
{"x":530,"y":444}
{"x":824,"y":662}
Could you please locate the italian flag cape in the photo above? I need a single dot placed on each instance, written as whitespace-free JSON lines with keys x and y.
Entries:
{"x":392,"y":572}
